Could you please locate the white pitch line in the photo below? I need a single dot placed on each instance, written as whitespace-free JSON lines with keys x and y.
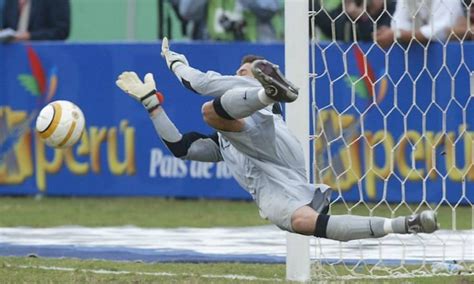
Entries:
{"x":167,"y":274}
{"x":267,"y":242}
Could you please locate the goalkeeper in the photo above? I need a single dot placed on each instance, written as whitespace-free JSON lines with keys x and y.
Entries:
{"x":257,"y":147}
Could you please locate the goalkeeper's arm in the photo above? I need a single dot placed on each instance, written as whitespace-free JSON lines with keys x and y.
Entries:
{"x":208,"y":84}
{"x":190,"y":146}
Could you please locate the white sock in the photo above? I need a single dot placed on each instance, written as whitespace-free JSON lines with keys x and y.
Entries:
{"x":242,"y":102}
{"x":387,"y":226}
{"x":263,"y":98}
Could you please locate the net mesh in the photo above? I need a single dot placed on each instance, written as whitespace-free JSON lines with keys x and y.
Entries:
{"x":392,"y":130}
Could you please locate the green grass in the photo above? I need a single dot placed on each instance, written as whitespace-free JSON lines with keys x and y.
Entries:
{"x":141,"y":212}
{"x":12,"y":272}
{"x":37,"y":270}
{"x":169,"y":213}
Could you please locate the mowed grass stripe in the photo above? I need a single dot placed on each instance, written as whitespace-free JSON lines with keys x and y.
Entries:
{"x":172,"y":213}
{"x":159,"y":274}
{"x":81,"y":271}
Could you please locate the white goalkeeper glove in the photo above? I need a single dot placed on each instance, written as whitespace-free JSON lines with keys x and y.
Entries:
{"x":172,"y":58}
{"x":144,"y":92}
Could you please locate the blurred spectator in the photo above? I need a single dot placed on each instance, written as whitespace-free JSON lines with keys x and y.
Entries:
{"x":2,"y":2}
{"x":353,"y":21}
{"x":250,"y":20}
{"x":421,"y":20}
{"x":193,"y":16}
{"x":37,"y":19}
{"x":264,"y":11}
{"x":464,"y":28}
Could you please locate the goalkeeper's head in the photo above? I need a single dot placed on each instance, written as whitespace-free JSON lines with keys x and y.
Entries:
{"x":246,"y":64}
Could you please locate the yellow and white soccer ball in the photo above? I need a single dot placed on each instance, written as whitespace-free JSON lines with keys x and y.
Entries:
{"x":60,"y":124}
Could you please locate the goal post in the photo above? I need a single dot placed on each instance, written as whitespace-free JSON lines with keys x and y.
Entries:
{"x":297,"y":119}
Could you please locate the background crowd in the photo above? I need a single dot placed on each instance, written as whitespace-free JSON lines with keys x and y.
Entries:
{"x":381,"y":21}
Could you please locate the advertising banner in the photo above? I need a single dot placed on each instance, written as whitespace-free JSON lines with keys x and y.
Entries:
{"x":120,"y":153}
{"x":416,"y":142}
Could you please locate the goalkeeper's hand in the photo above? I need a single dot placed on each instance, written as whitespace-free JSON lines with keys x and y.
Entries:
{"x":144,"y":92}
{"x":172,"y":58}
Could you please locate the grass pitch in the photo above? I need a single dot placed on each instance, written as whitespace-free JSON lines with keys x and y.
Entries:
{"x":171,"y":213}
{"x":163,"y":213}
{"x":140,"y":212}
{"x":32,"y":270}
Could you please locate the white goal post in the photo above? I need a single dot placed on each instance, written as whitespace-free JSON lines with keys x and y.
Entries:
{"x":297,"y":118}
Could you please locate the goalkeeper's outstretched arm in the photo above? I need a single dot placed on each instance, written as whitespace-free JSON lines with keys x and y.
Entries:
{"x":190,"y":146}
{"x":208,"y":84}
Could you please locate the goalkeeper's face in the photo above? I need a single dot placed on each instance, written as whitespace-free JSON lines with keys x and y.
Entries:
{"x":245,"y":70}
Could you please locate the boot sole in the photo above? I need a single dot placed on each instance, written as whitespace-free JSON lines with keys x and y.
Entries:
{"x":273,"y":86}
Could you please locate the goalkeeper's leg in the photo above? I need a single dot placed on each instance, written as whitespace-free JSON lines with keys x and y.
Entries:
{"x":239,"y":103}
{"x":349,"y":227}
{"x":226,"y":112}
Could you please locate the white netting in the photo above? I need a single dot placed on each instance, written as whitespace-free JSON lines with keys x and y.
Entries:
{"x":392,"y":122}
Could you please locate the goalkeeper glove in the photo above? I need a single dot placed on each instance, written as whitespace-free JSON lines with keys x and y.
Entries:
{"x":172,"y":58}
{"x":144,"y":92}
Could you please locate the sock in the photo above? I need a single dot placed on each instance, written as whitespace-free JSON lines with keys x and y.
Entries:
{"x":349,"y":227}
{"x":397,"y":225}
{"x":264,"y":98}
{"x":165,"y":128}
{"x":242,"y":102}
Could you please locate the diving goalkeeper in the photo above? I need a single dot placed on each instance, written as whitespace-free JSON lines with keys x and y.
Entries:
{"x":262,"y":154}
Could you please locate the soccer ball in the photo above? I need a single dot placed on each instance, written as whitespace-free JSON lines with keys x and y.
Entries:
{"x":60,"y":124}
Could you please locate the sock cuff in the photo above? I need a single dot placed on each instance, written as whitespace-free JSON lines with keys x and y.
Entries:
{"x":217,"y":104}
{"x":387,"y":226}
{"x":321,"y":226}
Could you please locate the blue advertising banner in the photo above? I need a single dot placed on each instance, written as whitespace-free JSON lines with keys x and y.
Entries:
{"x":396,"y":124}
{"x":120,"y":153}
{"x":412,"y":111}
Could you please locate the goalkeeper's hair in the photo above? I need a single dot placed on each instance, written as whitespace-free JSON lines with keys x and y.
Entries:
{"x":249,"y":58}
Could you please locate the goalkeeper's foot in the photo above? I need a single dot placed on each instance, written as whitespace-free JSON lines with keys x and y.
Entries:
{"x":424,"y":222}
{"x":276,"y":86}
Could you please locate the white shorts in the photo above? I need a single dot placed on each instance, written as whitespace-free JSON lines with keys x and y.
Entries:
{"x":267,"y":160}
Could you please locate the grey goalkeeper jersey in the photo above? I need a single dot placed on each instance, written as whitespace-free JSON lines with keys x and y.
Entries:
{"x":197,"y":146}
{"x":265,"y":158}
{"x":206,"y":147}
{"x":271,"y":126}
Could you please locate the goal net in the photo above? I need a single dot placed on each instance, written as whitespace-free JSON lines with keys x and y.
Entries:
{"x":390,"y":99}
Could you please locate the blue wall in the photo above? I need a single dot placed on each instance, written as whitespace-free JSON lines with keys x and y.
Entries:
{"x":141,"y":165}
